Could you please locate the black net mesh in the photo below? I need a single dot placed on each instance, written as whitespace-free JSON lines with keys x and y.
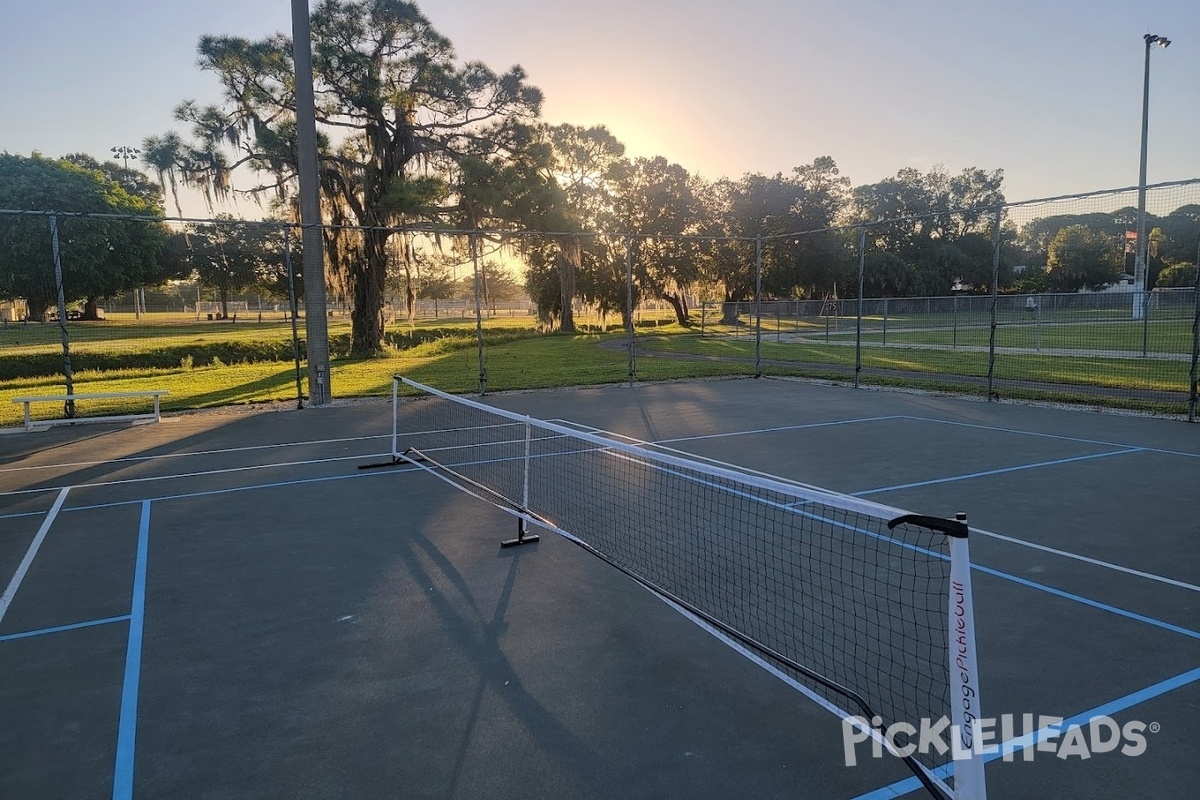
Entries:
{"x":816,"y":577}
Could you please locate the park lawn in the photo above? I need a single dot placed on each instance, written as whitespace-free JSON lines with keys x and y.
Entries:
{"x":1154,"y":374}
{"x":1162,"y":336}
{"x":528,"y":362}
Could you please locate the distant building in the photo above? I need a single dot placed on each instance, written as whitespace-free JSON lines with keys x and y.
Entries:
{"x":13,"y":310}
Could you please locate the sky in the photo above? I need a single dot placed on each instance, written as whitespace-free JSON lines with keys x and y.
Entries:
{"x":1048,"y":90}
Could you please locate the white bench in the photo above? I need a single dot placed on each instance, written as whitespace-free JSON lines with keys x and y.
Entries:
{"x":63,"y":398}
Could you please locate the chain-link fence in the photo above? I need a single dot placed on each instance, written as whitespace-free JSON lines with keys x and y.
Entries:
{"x":1027,"y":301}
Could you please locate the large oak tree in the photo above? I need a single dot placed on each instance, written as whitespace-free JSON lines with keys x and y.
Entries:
{"x":395,"y":112}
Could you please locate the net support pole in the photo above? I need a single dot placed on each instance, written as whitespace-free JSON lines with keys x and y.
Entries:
{"x":291,"y":273}
{"x":758,"y":306}
{"x":965,"y":710}
{"x":629,"y":309}
{"x":996,"y":240}
{"x":395,"y":416}
{"x":474,"y":240}
{"x":1193,"y":390}
{"x":523,"y":534}
{"x":862,"y":262}
{"x":964,"y":675}
{"x":69,"y":405}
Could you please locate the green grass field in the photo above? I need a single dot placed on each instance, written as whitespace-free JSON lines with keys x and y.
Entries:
{"x":443,"y":355}
{"x":1110,"y":372}
{"x":206,"y":364}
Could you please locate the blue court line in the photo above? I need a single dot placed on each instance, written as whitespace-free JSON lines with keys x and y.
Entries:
{"x":60,"y":628}
{"x":1000,"y":471}
{"x":1041,"y":587}
{"x":127,"y":729}
{"x":1058,"y":436}
{"x":908,"y":785}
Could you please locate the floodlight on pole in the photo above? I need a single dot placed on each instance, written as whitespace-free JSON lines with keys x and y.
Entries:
{"x":125,"y":153}
{"x":1139,"y":259}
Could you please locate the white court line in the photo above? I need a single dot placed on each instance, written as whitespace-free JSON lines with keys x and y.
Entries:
{"x":219,"y":451}
{"x":189,"y":453}
{"x":1087,"y":560}
{"x":19,"y":575}
{"x":202,"y":473}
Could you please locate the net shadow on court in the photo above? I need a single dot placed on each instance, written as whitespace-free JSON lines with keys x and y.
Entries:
{"x":304,"y":628}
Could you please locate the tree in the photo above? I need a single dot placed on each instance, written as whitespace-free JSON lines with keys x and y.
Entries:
{"x":1080,"y":258}
{"x":653,"y":198}
{"x":231,"y":258}
{"x":395,"y":112}
{"x":131,"y":180}
{"x":932,"y":213}
{"x":1181,"y":275}
{"x":99,"y":257}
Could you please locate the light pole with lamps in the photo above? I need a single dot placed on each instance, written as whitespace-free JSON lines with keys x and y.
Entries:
{"x":1139,"y":259}
{"x":125,"y":153}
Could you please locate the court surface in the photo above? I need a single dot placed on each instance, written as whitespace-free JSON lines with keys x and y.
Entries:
{"x":225,"y":606}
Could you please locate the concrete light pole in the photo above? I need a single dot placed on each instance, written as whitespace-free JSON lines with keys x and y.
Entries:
{"x":1139,"y":263}
{"x":315,"y":324}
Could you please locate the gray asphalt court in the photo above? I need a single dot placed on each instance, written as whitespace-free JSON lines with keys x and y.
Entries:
{"x":224,"y":605}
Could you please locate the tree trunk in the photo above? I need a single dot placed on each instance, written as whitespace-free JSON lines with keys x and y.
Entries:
{"x":681,"y":314}
{"x":91,"y":308}
{"x":36,"y":308}
{"x":567,"y":260}
{"x":729,"y":314}
{"x":368,"y":278}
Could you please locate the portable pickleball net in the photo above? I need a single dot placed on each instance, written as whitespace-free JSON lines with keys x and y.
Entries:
{"x":866,"y":606}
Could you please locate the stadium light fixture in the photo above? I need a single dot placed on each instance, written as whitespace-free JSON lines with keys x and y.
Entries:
{"x":125,"y":153}
{"x":1139,"y":260}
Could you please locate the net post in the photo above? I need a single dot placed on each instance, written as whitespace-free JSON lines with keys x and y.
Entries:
{"x":523,"y":534}
{"x":964,"y":673}
{"x":395,"y":415}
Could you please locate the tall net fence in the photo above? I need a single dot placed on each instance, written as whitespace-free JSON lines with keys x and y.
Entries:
{"x":1029,"y":301}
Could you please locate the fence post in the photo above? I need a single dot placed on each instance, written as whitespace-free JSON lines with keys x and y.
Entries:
{"x":69,"y":405}
{"x":473,"y":238}
{"x":291,"y":273}
{"x":758,"y":306}
{"x":996,"y":238}
{"x":1145,"y":322}
{"x":954,"y":322}
{"x":1192,"y":399}
{"x":629,"y":308}
{"x":862,"y":261}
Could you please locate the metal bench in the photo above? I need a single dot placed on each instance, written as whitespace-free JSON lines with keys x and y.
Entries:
{"x":63,"y":398}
